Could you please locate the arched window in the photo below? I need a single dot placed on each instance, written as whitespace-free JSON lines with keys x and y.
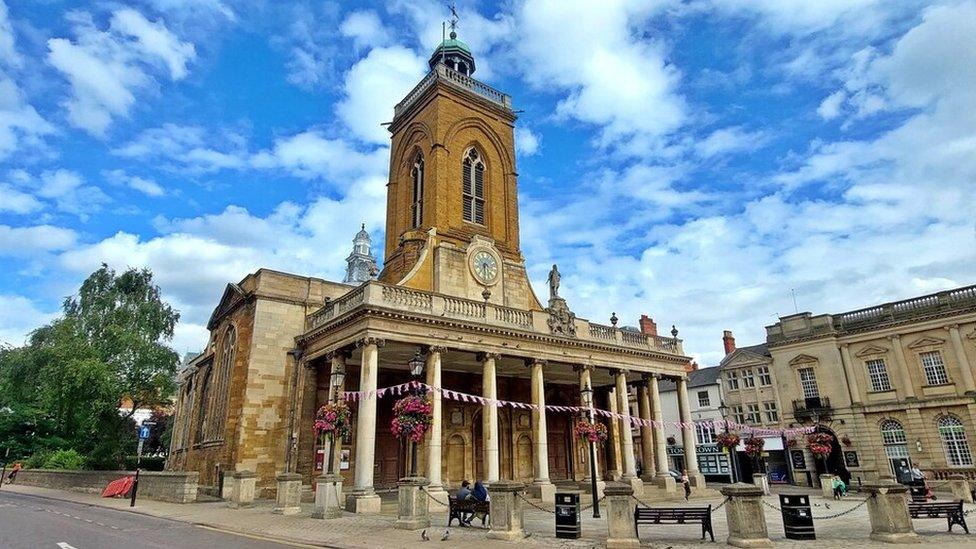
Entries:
{"x":202,"y":406}
{"x":218,"y":404}
{"x":473,"y":187}
{"x":417,"y":178}
{"x":954,"y":442}
{"x":892,"y":432}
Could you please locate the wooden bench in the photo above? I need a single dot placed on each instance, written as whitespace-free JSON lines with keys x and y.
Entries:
{"x":674,"y":515}
{"x":951,"y":511}
{"x":467,"y":507}
{"x":919,"y":494}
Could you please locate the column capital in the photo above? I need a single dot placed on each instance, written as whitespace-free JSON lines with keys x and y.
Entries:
{"x":439,"y":349}
{"x":366,"y":341}
{"x":845,"y":346}
{"x":952,"y":327}
{"x":529,"y":362}
{"x":483,"y":356}
{"x":583,"y":368}
{"x":617,"y":371}
{"x":341,"y":352}
{"x":895,"y":337}
{"x":656,"y":376}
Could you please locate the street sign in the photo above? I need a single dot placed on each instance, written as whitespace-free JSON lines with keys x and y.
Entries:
{"x":143,"y":432}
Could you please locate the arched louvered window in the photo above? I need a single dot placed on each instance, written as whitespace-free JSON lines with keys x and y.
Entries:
{"x":202,"y":406}
{"x":417,"y":178}
{"x":954,"y":442}
{"x":218,"y":404}
{"x":473,"y":187}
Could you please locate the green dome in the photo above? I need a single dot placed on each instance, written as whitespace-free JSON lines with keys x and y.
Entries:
{"x":453,"y":44}
{"x":453,"y":53}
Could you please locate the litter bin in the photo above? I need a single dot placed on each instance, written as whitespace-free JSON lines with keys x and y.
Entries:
{"x":797,"y":518}
{"x":568,"y":515}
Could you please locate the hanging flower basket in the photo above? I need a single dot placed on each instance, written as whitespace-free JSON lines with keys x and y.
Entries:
{"x":590,"y":432}
{"x":412,"y":418}
{"x":754,"y":446}
{"x":820,"y":444}
{"x":333,"y":419}
{"x":729,"y":441}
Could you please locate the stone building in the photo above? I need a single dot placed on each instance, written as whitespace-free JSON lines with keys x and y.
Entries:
{"x":893,"y":383}
{"x":454,"y":289}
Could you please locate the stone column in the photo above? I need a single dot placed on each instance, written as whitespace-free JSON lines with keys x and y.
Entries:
{"x":662,"y":478}
{"x":626,"y":436}
{"x":961,"y":359}
{"x":337,"y":387}
{"x":541,"y":487}
{"x":328,"y":496}
{"x":827,"y":485}
{"x":363,"y":499}
{"x":615,"y":469}
{"x":902,"y":364}
{"x":647,"y":434}
{"x":744,"y":513}
{"x":959,"y":487}
{"x":436,"y":487}
{"x":845,"y":358}
{"x":585,"y":378}
{"x":289,"y":498}
{"x":621,"y":530}
{"x":688,"y":435}
{"x":413,"y":512}
{"x":242,"y":493}
{"x":506,"y":510}
{"x":489,"y":417}
{"x":888,"y":512}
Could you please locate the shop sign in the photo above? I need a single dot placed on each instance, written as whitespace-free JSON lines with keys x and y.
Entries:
{"x":798,"y":460}
{"x":677,"y":450}
{"x":850,"y":458}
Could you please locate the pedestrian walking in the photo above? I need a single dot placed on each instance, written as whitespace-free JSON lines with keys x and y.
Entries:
{"x":12,"y":476}
{"x":686,"y":482}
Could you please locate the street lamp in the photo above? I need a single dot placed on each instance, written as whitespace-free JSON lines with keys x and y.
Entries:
{"x":723,"y":409}
{"x":587,"y":394}
{"x":416,"y":366}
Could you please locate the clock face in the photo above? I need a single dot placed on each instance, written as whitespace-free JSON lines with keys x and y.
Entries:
{"x":485,"y":266}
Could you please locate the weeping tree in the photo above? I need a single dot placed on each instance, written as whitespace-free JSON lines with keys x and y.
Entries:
{"x":66,"y":384}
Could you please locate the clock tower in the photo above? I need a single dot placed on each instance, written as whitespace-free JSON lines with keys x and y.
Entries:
{"x":452,"y":199}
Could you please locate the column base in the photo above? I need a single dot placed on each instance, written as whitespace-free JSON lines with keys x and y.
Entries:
{"x":636,"y":483}
{"x":328,"y":497}
{"x":749,"y":542}
{"x":623,"y":543}
{"x":542,"y":489}
{"x":413,"y":512}
{"x":906,"y":537}
{"x":363,"y":502}
{"x":696,"y":479}
{"x":666,"y":482}
{"x":586,"y":487}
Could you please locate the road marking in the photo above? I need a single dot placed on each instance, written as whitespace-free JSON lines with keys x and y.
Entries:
{"x":64,"y":545}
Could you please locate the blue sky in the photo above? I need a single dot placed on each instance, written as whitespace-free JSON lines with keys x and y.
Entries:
{"x":695,"y":161}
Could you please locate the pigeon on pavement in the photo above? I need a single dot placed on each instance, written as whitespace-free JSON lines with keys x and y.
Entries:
{"x":424,"y":536}
{"x":447,"y":534}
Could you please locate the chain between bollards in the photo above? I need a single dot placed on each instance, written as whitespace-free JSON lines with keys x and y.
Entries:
{"x":539,"y":507}
{"x":439,"y":502}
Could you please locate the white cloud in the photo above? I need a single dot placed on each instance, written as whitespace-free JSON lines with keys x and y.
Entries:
{"x":730,"y":140}
{"x":366,"y":29}
{"x":107,"y":68}
{"x":373,"y":86}
{"x":8,"y":52}
{"x":18,"y":317}
{"x":20,"y":124}
{"x":144,"y":185}
{"x":527,"y":142}
{"x":190,"y":148}
{"x":66,"y":189}
{"x":34,"y":240}
{"x":311,"y":155}
{"x":830,"y":107}
{"x":17,"y":202}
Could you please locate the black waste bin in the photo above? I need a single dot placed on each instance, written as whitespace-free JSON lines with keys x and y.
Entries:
{"x":797,"y":517}
{"x":568,"y":515}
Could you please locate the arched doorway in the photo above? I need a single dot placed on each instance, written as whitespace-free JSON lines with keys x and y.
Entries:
{"x":558,"y":446}
{"x":834,"y":463}
{"x":455,"y":459}
{"x":523,"y":458}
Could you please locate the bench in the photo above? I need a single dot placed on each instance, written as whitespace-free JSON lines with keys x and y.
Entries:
{"x":468,"y":506}
{"x":951,"y":511}
{"x":674,"y":515}
{"x":919,"y":494}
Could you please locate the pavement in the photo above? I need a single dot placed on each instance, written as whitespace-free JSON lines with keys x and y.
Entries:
{"x":203,"y":524}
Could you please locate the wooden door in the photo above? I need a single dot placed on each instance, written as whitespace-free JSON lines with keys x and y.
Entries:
{"x":557,"y":439}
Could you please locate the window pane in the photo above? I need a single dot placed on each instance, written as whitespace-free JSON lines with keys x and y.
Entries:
{"x":808,"y":380}
{"x":878,"y":374}
{"x":935,"y":373}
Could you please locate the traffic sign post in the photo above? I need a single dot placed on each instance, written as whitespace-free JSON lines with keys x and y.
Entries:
{"x":143,"y":435}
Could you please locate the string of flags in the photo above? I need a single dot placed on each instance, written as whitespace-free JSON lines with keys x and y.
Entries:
{"x":636,"y":421}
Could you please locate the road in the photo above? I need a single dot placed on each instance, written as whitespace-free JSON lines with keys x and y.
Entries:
{"x":35,"y":522}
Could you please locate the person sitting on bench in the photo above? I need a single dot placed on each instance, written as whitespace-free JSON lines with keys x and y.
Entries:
{"x":465,"y":493}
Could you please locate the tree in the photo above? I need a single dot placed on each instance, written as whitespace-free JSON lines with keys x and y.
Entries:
{"x":63,"y":388}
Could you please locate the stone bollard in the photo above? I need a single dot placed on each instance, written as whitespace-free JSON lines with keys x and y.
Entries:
{"x":289,"y":498}
{"x":228,"y":486}
{"x":827,"y":485}
{"x":621,"y":530}
{"x":506,"y":510}
{"x":328,"y":494}
{"x":959,"y":487}
{"x":744,"y":513}
{"x":413,"y":510}
{"x":242,"y":491}
{"x":888,"y":511}
{"x":762,"y":481}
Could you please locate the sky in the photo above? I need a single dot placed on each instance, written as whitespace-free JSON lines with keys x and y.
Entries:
{"x":698,"y":161}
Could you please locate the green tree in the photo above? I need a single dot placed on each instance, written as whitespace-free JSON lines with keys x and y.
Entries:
{"x":62,"y":390}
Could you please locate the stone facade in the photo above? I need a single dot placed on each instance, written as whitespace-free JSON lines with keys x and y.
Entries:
{"x":892,"y":382}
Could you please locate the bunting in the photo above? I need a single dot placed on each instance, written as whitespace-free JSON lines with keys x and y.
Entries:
{"x":458,"y":396}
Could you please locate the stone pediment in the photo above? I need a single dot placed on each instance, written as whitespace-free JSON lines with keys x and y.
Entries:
{"x":232,"y":295}
{"x":926,"y":342}
{"x":743,"y":358}
{"x":871,"y":350}
{"x":802,"y":359}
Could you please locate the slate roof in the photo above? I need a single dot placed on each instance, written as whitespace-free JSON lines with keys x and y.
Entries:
{"x":762,"y":350}
{"x":696,"y":378}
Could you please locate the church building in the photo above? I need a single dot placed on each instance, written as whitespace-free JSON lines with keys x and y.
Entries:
{"x":453,"y":291}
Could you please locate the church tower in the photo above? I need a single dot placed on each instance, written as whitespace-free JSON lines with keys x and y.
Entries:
{"x":361,"y":265}
{"x":452,"y":202}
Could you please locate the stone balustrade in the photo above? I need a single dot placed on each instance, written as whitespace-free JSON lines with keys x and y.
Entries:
{"x":379,"y":295}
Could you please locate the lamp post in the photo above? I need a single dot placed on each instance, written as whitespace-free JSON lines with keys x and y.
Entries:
{"x":416,"y":366}
{"x":587,"y":393}
{"x":724,"y":410}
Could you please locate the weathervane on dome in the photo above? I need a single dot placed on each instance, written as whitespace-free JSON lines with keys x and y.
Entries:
{"x":454,"y":19}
